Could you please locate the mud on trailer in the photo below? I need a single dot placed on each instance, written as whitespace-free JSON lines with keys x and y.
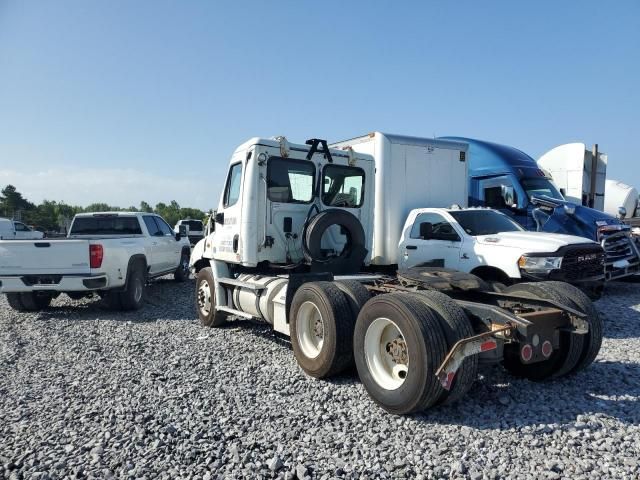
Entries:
{"x":296,"y":243}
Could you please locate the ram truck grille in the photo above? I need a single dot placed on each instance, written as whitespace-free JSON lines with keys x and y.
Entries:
{"x":583,"y":262}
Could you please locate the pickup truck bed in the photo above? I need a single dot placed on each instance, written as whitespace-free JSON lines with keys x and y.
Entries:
{"x":59,"y":265}
{"x":113,"y":254}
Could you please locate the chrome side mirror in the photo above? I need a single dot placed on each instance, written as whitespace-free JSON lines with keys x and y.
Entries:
{"x":622,"y":213}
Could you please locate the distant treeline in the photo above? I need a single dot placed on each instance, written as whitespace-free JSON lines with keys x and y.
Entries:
{"x":54,"y":216}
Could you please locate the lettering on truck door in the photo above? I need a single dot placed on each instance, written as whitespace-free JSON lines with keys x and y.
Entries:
{"x":228,"y":217}
{"x":432,"y":242}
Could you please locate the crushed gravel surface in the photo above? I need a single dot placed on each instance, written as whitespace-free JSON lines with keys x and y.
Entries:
{"x":87,"y":392}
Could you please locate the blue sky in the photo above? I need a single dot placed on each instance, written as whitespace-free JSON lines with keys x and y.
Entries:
{"x":124,"y":101}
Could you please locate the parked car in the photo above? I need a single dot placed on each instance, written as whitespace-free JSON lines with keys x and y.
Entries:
{"x":14,"y":230}
{"x":111,"y":254}
{"x":195,"y":229}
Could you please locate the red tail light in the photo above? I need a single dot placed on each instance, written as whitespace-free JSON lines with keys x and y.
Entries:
{"x":95,"y":256}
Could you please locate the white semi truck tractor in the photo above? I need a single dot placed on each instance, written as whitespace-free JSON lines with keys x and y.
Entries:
{"x":302,"y":240}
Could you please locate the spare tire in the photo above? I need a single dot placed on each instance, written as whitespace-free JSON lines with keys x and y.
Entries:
{"x":312,"y":240}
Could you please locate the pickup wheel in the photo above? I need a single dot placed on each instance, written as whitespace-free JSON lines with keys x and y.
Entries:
{"x":206,"y":300}
{"x":112,"y":300}
{"x":455,"y":326}
{"x":562,"y":360}
{"x":132,"y":297}
{"x":398,"y":345}
{"x":182,"y":272}
{"x":15,"y":302}
{"x":34,"y":301}
{"x":322,"y":326}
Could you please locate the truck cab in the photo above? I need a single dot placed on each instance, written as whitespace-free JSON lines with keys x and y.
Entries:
{"x":15,"y":230}
{"x":271,"y":190}
{"x":509,"y":180}
{"x":494,"y":247}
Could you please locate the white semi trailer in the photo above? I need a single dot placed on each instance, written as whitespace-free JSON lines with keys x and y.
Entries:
{"x":304,"y":239}
{"x":622,"y":200}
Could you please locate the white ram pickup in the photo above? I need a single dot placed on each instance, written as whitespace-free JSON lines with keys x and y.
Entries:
{"x":490,"y":245}
{"x":112,"y":254}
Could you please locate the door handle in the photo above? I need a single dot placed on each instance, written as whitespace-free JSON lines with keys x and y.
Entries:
{"x":411,"y":247}
{"x":465,"y":256}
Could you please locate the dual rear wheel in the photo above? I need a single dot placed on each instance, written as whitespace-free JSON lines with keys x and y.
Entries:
{"x":576,"y":352}
{"x":397,"y":341}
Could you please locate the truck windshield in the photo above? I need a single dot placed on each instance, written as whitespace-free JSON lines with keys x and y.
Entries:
{"x":540,"y":186}
{"x":105,"y":226}
{"x":484,"y":222}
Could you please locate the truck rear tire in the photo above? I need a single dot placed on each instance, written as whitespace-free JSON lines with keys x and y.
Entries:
{"x":321,"y":326}
{"x":34,"y":301}
{"x":562,"y":360}
{"x":132,"y":297}
{"x":398,"y":345}
{"x":14,"y":301}
{"x":357,"y":295}
{"x":182,"y":272}
{"x":455,"y":326}
{"x":593,"y":340}
{"x":206,"y":300}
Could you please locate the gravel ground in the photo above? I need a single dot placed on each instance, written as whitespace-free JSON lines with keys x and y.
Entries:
{"x":85,"y":392}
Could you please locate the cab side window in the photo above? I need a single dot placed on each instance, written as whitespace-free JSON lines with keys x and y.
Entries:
{"x":232,"y":189}
{"x":440,"y":226}
{"x":493,"y":198}
{"x":164,"y":227}
{"x":21,"y":227}
{"x":152,"y":226}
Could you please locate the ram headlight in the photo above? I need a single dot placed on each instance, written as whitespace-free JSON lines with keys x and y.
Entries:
{"x":539,"y":264}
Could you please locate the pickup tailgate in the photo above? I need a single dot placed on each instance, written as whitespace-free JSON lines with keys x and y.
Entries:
{"x":62,"y":257}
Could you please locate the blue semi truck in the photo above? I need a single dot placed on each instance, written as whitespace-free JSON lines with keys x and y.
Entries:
{"x":509,"y":180}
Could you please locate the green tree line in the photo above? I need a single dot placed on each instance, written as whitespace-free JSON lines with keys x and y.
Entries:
{"x":53,"y":216}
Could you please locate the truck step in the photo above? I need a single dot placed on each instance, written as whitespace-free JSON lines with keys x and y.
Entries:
{"x":233,"y":311}
{"x":240,"y":283}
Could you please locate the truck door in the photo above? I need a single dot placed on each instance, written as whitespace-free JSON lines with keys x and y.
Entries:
{"x":437,"y":245}
{"x":229,"y":215}
{"x":491,"y":195}
{"x":171,"y":248}
{"x":155,"y":253}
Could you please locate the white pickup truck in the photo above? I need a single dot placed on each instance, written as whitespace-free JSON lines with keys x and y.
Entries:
{"x":112,"y":254}
{"x":14,"y":230}
{"x":490,"y":245}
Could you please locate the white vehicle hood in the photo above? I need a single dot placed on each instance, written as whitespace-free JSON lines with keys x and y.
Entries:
{"x":532,"y":241}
